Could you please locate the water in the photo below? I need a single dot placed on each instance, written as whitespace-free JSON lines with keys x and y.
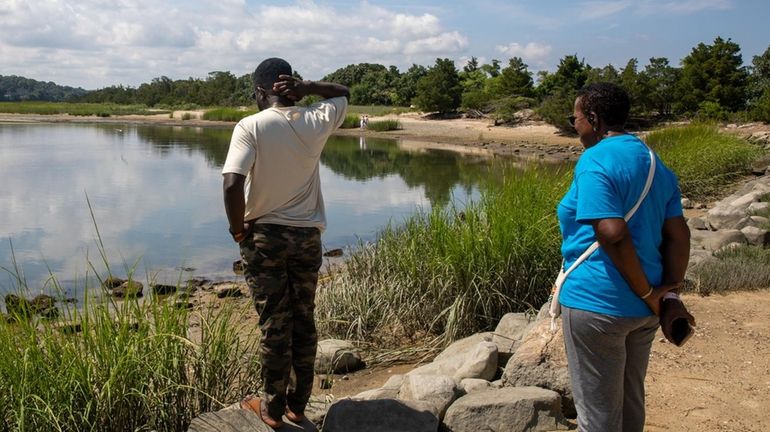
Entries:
{"x":156,"y":197}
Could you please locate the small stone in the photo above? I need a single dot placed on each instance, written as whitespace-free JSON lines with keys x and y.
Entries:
{"x":226,"y":290}
{"x":161,"y":289}
{"x":333,"y":253}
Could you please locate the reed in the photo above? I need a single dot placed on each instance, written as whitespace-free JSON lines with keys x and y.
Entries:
{"x":384,"y":125}
{"x":227,"y":114}
{"x":351,"y":121}
{"x":77,"y":109}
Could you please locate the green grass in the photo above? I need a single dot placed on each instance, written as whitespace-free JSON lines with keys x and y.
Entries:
{"x":704,"y":159}
{"x":77,"y":109}
{"x":742,"y":268}
{"x":449,"y":273}
{"x":384,"y":125}
{"x":227,"y":114}
{"x":351,"y":121}
{"x":377,"y":110}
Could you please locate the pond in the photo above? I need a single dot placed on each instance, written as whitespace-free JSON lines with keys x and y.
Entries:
{"x":155,"y":195}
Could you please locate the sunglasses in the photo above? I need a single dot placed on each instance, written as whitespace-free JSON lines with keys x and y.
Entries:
{"x":571,"y":119}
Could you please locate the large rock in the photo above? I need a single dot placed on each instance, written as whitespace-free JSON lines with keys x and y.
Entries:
{"x":508,"y":333}
{"x":472,"y":385}
{"x":759,"y":207}
{"x":464,"y":345}
{"x":17,"y":306}
{"x":129,"y":289}
{"x":541,"y":361}
{"x":724,"y":217}
{"x":507,"y":409}
{"x":715,"y":240}
{"x":696,"y":223}
{"x":383,"y":415}
{"x":337,"y":356}
{"x":480,"y":362}
{"x":756,"y":236}
{"x":227,"y":290}
{"x":437,"y":390}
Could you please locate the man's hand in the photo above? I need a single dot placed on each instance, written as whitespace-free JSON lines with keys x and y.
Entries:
{"x":291,"y":88}
{"x":656,"y":296}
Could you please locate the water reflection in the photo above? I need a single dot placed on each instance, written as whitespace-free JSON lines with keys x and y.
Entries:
{"x":155,"y":193}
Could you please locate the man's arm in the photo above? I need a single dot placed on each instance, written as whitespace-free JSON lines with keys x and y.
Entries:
{"x":294,"y":89}
{"x":675,"y":249}
{"x":235,"y":204}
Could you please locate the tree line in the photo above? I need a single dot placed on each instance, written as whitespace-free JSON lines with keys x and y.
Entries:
{"x":16,"y":89}
{"x":710,"y":82}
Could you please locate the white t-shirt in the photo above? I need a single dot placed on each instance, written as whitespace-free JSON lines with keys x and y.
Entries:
{"x":278,"y":150}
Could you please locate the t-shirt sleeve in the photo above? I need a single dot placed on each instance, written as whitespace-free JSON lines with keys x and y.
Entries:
{"x":597,"y":197}
{"x":338,"y":109}
{"x":242,"y":152}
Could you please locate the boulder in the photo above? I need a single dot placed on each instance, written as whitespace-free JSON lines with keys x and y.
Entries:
{"x":696,"y":223}
{"x":760,"y":221}
{"x":228,"y":290}
{"x":113,"y":282}
{"x":508,"y":333}
{"x":41,"y":303}
{"x":381,"y":415}
{"x":743,"y":202}
{"x":437,"y":390}
{"x":507,"y":409}
{"x":464,"y":345}
{"x":756,"y":236}
{"x":162,"y":289}
{"x":724,"y":217}
{"x":129,"y":289}
{"x":480,"y":362}
{"x":17,"y":306}
{"x":541,"y":361}
{"x":686,"y":203}
{"x":471,"y":385}
{"x":374,"y":394}
{"x":715,"y":240}
{"x":758,"y":207}
{"x":337,"y":356}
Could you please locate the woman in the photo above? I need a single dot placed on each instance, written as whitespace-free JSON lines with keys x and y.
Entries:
{"x":611,"y":301}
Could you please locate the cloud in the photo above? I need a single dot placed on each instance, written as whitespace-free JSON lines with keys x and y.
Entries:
{"x":91,"y":43}
{"x":599,"y":9}
{"x":534,"y":52}
{"x":651,"y":7}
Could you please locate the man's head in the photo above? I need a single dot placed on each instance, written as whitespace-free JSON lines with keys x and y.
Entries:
{"x":265,"y":76}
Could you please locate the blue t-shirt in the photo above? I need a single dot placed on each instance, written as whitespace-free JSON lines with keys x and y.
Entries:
{"x":608,"y":180}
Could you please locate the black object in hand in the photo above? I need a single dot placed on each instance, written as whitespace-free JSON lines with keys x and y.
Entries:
{"x":675,"y":322}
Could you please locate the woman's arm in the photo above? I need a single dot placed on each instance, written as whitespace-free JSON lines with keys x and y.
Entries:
{"x":675,"y":249}
{"x":615,"y":239}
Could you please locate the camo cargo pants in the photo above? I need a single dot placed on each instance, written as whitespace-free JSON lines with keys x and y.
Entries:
{"x":281,"y":266}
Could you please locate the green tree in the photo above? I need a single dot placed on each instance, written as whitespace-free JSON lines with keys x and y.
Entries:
{"x":513,"y":80}
{"x":405,"y":88}
{"x":658,"y":83}
{"x":760,"y":87}
{"x":559,"y":89}
{"x":713,"y":73}
{"x":440,"y":89}
{"x":606,"y":74}
{"x":631,"y":82}
{"x":492,"y":69}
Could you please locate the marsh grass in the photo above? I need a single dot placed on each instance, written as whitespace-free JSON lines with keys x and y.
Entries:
{"x":741,"y":268}
{"x":384,"y":125}
{"x":704,"y":159}
{"x":449,"y":272}
{"x":377,"y":110}
{"x":351,"y":121}
{"x":76,"y":109}
{"x":227,"y":114}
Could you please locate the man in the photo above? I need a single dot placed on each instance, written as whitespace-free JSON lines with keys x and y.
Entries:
{"x":273,"y":201}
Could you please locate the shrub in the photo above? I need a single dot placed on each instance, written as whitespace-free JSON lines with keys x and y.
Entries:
{"x":351,"y":121}
{"x":188,"y":116}
{"x":711,"y":111}
{"x":704,"y":159}
{"x":384,"y":125}
{"x":505,"y":109}
{"x":742,"y":268}
{"x":557,"y":107}
{"x":227,"y":114}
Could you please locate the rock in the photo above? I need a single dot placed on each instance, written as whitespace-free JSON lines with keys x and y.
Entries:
{"x":470,"y":385}
{"x":464,"y":345}
{"x":50,"y":313}
{"x":334,"y":253}
{"x":41,"y":303}
{"x":508,"y":333}
{"x":161,"y":289}
{"x":68,"y":327}
{"x":227,"y":290}
{"x":758,"y":207}
{"x":18,"y":306}
{"x":481,"y":362}
{"x":723,"y":217}
{"x":228,"y":420}
{"x":698,"y":256}
{"x":759,"y":221}
{"x":129,"y":289}
{"x":686,"y":203}
{"x":380,"y":393}
{"x":238,"y":267}
{"x":696,"y":223}
{"x":181,"y":304}
{"x":744,"y":201}
{"x":113,"y":282}
{"x":437,"y":390}
{"x":382,"y":415}
{"x":731,"y":247}
{"x":715,"y":240}
{"x":756,"y":236}
{"x":394,"y":382}
{"x":337,"y":356}
{"x":541,"y":361}
{"x":506,"y":409}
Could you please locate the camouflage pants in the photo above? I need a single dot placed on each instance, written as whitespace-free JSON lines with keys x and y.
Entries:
{"x":281,"y":265}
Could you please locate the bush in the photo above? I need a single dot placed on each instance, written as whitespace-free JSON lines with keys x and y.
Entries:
{"x":384,"y":125}
{"x":227,"y":114}
{"x":505,"y":109}
{"x":704,"y":159}
{"x":351,"y":121}
{"x":742,"y":268}
{"x":760,"y":109}
{"x":188,"y":116}
{"x":711,"y":111}
{"x":556,"y":108}
{"x":476,"y":99}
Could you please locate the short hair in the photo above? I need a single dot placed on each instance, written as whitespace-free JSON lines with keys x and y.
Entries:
{"x":609,"y":101}
{"x":266,"y":74}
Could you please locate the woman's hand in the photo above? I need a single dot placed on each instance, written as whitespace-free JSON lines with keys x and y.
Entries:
{"x":655,"y":299}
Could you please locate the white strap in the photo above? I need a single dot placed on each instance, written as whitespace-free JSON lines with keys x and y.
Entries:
{"x":555,"y":308}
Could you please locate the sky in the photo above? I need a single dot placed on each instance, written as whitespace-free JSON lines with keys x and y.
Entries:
{"x":98,"y":43}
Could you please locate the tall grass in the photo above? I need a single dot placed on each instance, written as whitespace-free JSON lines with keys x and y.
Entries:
{"x":384,"y":125}
{"x":134,"y":366}
{"x":742,"y":268}
{"x":377,"y":110}
{"x":76,"y":109}
{"x":227,"y":114}
{"x":448,"y":273}
{"x":351,"y":121}
{"x":704,"y":159}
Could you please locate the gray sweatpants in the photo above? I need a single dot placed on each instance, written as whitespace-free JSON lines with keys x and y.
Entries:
{"x":607,"y":359}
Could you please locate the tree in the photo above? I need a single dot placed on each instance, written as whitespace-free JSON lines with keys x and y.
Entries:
{"x":658,"y":83}
{"x":760,"y":87}
{"x":606,"y":74}
{"x":559,"y":89}
{"x":630,"y":81}
{"x":440,"y":89}
{"x":492,"y":69}
{"x":513,"y":80}
{"x":712,"y":73}
{"x":406,"y":85}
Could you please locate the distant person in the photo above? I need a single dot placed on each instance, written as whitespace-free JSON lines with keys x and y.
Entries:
{"x":611,"y":301}
{"x":273,"y":201}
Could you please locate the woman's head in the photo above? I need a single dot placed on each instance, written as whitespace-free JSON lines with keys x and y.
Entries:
{"x":600,"y":108}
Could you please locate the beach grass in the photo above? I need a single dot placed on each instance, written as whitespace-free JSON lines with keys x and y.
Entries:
{"x":76,"y":109}
{"x":227,"y":114}
{"x":704,"y":159}
{"x":449,"y":272}
{"x":384,"y":125}
{"x":351,"y":121}
{"x":377,"y":110}
{"x":740,"y":268}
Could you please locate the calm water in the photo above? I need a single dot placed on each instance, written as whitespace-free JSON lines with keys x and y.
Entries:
{"x":155,"y":193}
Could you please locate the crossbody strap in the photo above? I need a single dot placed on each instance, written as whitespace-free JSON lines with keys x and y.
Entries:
{"x":555,"y":310}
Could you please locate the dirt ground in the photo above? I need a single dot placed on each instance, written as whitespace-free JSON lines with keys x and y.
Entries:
{"x":720,"y":381}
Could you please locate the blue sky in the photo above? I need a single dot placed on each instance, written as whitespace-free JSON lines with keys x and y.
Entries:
{"x":96,"y":43}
